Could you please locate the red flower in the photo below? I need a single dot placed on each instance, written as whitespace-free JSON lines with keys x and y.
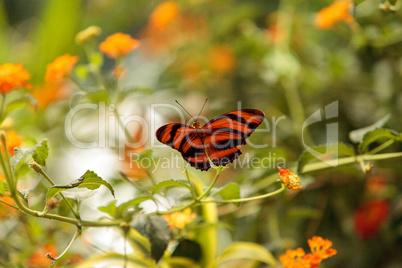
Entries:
{"x":370,"y":216}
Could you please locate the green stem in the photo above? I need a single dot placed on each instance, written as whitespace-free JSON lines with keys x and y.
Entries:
{"x":193,"y":193}
{"x":248,"y":198}
{"x":122,"y":126}
{"x":381,"y":147}
{"x":219,"y":170}
{"x":5,"y":203}
{"x":348,"y":160}
{"x":3,"y":101}
{"x":43,"y":173}
{"x":55,"y":259}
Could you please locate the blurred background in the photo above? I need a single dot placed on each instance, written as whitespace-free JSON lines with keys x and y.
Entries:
{"x":286,"y":58}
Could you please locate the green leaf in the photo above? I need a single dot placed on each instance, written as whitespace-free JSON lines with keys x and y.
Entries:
{"x":21,"y":154}
{"x":89,"y":180}
{"x":110,"y":209}
{"x":246,"y":250}
{"x":326,"y":152}
{"x":20,"y":103}
{"x":189,"y":249}
{"x":3,"y":187}
{"x":169,"y":184}
{"x":358,"y":134}
{"x":24,"y":194}
{"x":41,"y":153}
{"x":101,"y":95}
{"x":378,"y":135}
{"x":229,"y":191}
{"x":158,"y":233}
{"x":133,"y":203}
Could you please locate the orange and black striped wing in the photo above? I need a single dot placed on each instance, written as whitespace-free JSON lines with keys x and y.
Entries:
{"x":225,"y":132}
{"x":185,"y":139}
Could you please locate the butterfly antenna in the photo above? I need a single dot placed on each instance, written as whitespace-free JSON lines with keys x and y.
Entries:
{"x":202,"y":108}
{"x":184,"y":109}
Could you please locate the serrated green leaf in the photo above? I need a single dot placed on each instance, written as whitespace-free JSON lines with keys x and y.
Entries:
{"x":378,"y":135}
{"x":326,"y":152}
{"x":169,"y":184}
{"x":229,"y":191}
{"x":248,"y":251}
{"x":89,"y":180}
{"x":41,"y":153}
{"x":358,"y":134}
{"x":21,"y":154}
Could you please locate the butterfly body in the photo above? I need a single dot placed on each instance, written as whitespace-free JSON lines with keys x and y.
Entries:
{"x":217,"y":139}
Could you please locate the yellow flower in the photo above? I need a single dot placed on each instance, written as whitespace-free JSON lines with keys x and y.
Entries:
{"x":321,"y":247}
{"x":13,"y":76}
{"x":337,"y":11}
{"x":291,"y":181}
{"x":88,"y":34}
{"x":60,"y":68}
{"x":118,"y":45}
{"x":179,"y":220}
{"x":164,"y":14}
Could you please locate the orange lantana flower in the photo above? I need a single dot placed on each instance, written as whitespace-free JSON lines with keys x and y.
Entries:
{"x":13,"y":76}
{"x":12,"y":141}
{"x":179,"y":220}
{"x":51,"y":92}
{"x":294,"y":259}
{"x":320,"y":249}
{"x":60,"y":68}
{"x":221,"y":59}
{"x":164,"y":14}
{"x":337,"y":11}
{"x":291,"y":180}
{"x":118,"y":45}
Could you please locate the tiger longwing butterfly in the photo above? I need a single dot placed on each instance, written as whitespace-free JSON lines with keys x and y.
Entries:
{"x":217,"y":139}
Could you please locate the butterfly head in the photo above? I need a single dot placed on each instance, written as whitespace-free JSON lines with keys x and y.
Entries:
{"x":195,"y":125}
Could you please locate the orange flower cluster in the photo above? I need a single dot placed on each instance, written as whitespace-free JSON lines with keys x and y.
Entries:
{"x":221,"y":59}
{"x":164,"y":14}
{"x":39,"y":260}
{"x":118,"y":45}
{"x":13,"y":76}
{"x":60,"y":68}
{"x":12,"y":141}
{"x":320,"y":250}
{"x":50,"y":92}
{"x":337,"y":11}
{"x":291,"y":181}
{"x":179,"y":220}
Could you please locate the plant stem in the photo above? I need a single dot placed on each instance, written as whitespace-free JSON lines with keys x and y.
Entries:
{"x":3,"y":101}
{"x":193,"y":193}
{"x":219,"y":170}
{"x":348,"y":160}
{"x":61,"y":194}
{"x":248,"y":198}
{"x":55,"y":259}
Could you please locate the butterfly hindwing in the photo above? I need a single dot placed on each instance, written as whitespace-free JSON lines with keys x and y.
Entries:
{"x":225,"y":132}
{"x":186,"y":140}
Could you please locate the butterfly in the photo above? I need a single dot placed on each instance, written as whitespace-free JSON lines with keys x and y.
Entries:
{"x":218,"y":139}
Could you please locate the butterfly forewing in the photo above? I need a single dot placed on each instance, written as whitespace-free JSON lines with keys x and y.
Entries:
{"x":186,"y":140}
